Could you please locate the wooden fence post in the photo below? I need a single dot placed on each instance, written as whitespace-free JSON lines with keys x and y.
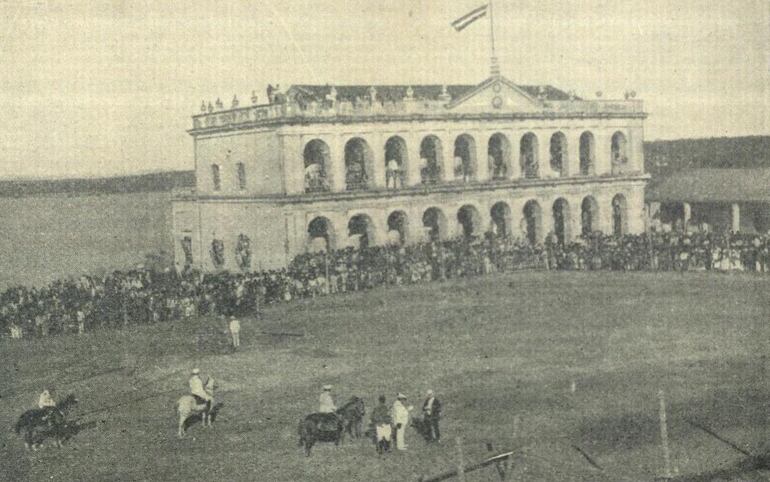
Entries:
{"x":460,"y":463}
{"x":664,"y":436}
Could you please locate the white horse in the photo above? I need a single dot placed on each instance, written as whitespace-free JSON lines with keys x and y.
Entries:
{"x":187,"y":406}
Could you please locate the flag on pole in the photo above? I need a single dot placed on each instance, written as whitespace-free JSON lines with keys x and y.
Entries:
{"x":470,"y":17}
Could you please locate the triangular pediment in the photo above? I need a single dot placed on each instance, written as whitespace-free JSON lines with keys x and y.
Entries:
{"x":496,"y":94}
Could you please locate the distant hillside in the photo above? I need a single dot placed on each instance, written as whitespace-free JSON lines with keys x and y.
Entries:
{"x":153,"y":182}
{"x":663,"y":157}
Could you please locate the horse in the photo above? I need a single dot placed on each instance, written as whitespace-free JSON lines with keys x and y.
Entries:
{"x":39,"y":423}
{"x":187,"y":406}
{"x":330,"y":427}
{"x":320,"y":427}
{"x":352,"y":414}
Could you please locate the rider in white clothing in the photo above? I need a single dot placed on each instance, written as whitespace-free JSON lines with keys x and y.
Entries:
{"x":325,"y":401}
{"x":197,"y":390}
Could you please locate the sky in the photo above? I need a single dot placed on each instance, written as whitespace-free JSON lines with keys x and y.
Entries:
{"x":103,"y":88}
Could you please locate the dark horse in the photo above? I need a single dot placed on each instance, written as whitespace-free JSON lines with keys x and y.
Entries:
{"x":330,"y":427}
{"x":39,"y":423}
{"x":353,"y":415}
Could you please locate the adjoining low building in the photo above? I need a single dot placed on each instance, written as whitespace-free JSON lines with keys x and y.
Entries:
{"x":327,"y":167}
{"x":718,"y":200}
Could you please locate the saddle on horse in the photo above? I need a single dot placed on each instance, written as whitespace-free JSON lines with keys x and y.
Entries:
{"x":328,"y":422}
{"x":201,"y":401}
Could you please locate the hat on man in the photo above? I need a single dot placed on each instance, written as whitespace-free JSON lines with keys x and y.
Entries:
{"x":429,"y":392}
{"x":195,"y":371}
{"x":327,"y":387}
{"x":401,"y":396}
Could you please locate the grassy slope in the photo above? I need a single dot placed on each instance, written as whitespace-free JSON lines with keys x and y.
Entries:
{"x":492,"y":348}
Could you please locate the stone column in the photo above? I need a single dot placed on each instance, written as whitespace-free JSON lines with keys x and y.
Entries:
{"x":337,"y":161}
{"x":380,"y":227}
{"x":573,"y":152}
{"x":482,"y":161}
{"x":378,"y":160}
{"x":603,"y":153}
{"x":544,"y":155}
{"x":605,"y":213}
{"x":448,"y":154}
{"x":515,"y":138}
{"x":413,"y":159}
{"x":735,"y":217}
{"x":576,"y":217}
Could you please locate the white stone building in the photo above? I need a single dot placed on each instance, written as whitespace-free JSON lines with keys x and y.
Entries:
{"x":337,"y":166}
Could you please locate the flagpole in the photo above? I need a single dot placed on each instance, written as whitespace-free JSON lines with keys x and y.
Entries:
{"x":495,"y":67}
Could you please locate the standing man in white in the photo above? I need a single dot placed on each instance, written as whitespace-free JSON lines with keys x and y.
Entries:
{"x":235,"y":332}
{"x":400,"y":414}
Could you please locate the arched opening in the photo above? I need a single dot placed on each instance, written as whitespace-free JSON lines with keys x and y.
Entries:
{"x":587,"y":154}
{"x":397,"y":227}
{"x":434,"y":222}
{"x":358,"y":164}
{"x":618,"y":150}
{"x":431,"y":158}
{"x":470,"y":221}
{"x":361,"y":231}
{"x":561,"y":221}
{"x":317,"y":163}
{"x":528,"y":156}
{"x":559,"y":161}
{"x":320,"y":235}
{"x":533,"y":222}
{"x":395,"y":162}
{"x":501,"y":219}
{"x":619,"y":215}
{"x":216,"y":179}
{"x":499,"y":157}
{"x":589,"y":216}
{"x":465,"y":158}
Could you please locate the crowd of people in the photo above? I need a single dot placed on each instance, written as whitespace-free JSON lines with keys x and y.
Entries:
{"x":143,"y":296}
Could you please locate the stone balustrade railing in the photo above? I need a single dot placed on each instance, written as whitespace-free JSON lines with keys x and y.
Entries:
{"x":276,"y":112}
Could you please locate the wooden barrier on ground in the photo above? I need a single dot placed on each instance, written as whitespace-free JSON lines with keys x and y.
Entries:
{"x":499,"y":461}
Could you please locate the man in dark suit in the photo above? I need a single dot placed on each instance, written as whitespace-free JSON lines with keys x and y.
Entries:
{"x":431,"y":410}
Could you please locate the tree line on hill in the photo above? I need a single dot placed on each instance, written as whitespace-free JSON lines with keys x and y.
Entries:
{"x":151,"y":182}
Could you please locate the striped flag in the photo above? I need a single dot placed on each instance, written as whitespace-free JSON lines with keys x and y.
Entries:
{"x":470,"y":17}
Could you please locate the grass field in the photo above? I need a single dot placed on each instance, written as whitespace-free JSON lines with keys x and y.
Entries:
{"x":492,"y":348}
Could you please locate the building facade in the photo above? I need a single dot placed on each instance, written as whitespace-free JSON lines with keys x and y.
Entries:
{"x":327,"y":167}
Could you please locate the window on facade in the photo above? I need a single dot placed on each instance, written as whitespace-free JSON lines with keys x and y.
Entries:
{"x":216,"y":179}
{"x":241,"y":176}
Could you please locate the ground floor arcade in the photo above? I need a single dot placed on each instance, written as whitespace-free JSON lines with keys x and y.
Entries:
{"x":222,"y":234}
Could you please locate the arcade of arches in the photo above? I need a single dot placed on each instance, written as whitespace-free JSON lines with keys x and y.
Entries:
{"x":533,"y":220}
{"x":458,"y":158}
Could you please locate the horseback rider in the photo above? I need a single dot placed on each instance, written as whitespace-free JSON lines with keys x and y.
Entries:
{"x":198,"y":391}
{"x":46,"y":403}
{"x":325,"y":401}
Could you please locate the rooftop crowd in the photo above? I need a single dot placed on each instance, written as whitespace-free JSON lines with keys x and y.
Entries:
{"x":143,"y":296}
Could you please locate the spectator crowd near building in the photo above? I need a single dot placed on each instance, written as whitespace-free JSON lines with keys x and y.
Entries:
{"x":143,"y":296}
